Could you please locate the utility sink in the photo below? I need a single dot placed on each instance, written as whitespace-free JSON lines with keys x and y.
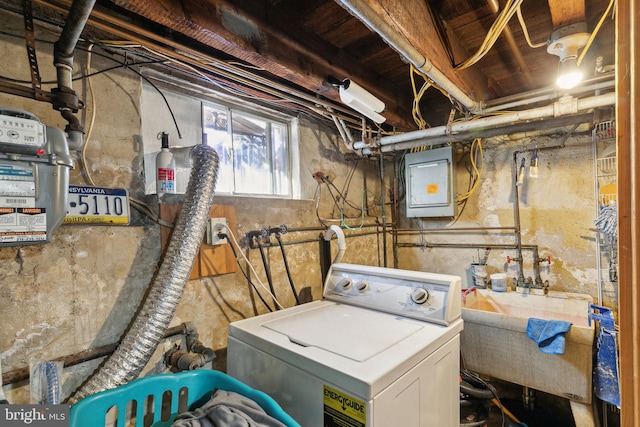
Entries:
{"x":494,"y":341}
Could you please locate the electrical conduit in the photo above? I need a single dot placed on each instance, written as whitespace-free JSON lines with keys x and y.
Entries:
{"x":140,"y":342}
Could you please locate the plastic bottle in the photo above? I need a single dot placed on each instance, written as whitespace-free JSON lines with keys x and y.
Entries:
{"x":165,"y":169}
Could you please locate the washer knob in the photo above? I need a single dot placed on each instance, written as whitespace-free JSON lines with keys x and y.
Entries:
{"x":345,"y":284}
{"x":420,"y":296}
{"x":363,"y":286}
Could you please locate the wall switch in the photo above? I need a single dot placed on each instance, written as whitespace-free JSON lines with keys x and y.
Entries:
{"x":216,"y":226}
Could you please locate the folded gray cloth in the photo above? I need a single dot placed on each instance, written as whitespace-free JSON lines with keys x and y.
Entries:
{"x":227,"y":409}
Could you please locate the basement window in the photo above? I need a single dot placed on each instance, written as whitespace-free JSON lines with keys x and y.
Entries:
{"x":253,"y":151}
{"x":257,"y":147}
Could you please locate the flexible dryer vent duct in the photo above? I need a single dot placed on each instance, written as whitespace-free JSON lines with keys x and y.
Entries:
{"x":139,"y":344}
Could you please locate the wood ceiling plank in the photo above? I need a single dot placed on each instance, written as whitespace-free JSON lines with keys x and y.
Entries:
{"x":303,"y":60}
{"x":565,"y":12}
{"x":412,"y":19}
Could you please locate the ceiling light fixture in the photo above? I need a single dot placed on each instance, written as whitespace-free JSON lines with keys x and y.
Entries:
{"x":565,"y":42}
{"x":358,"y":98}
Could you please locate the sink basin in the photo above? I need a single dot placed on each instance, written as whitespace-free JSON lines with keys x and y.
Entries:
{"x":494,"y":341}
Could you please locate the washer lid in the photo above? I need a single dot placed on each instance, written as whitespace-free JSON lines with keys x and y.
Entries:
{"x":352,"y":332}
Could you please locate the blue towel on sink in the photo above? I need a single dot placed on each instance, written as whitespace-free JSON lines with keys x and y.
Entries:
{"x":548,"y":334}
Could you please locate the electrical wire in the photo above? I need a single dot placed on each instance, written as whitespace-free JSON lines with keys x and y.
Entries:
{"x":417,"y":96}
{"x":474,"y":152}
{"x":525,"y":31}
{"x":494,"y":32}
{"x":235,"y":242}
{"x":244,"y":273}
{"x":594,"y":33}
{"x":86,"y":172}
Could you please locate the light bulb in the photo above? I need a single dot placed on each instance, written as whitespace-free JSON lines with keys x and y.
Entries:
{"x":569,"y":76}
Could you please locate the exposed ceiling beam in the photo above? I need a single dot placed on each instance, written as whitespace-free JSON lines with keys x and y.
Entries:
{"x":565,"y":12}
{"x":414,"y":21}
{"x":308,"y":63}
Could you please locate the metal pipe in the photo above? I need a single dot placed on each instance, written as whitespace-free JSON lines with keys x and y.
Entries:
{"x":452,"y":230}
{"x":516,"y":214}
{"x":564,"y":106}
{"x":22,"y":374}
{"x":384,"y":214}
{"x":188,"y":55}
{"x":548,"y":97}
{"x":142,"y":339}
{"x":587,"y":86}
{"x":464,"y":245}
{"x":361,"y":10}
{"x":487,"y":133}
{"x":66,"y":44}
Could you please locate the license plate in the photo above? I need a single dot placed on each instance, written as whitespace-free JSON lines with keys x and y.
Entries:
{"x":97,"y":205}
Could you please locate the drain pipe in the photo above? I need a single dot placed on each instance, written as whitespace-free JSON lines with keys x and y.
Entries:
{"x":142,"y":339}
{"x":342,"y":244}
{"x":65,"y":99}
{"x":361,"y":10}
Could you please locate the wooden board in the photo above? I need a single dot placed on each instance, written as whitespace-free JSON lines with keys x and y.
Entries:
{"x":212,"y":260}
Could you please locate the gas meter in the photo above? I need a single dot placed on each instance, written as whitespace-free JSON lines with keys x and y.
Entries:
{"x":34,"y":178}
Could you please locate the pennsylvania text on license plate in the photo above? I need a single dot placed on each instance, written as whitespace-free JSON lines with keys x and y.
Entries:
{"x":97,"y":205}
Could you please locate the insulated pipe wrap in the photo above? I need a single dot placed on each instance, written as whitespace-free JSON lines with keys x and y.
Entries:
{"x":142,"y":339}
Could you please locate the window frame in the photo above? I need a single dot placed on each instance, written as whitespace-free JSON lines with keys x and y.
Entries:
{"x":248,"y":105}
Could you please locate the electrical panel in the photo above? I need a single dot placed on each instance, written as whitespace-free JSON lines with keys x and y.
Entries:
{"x":430,"y":183}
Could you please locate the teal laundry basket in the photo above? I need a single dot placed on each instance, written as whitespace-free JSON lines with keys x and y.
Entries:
{"x":158,"y":399}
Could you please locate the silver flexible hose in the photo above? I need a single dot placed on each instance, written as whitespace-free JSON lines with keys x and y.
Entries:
{"x":142,"y":339}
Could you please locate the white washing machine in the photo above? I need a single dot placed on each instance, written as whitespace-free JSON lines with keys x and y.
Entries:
{"x":380,"y":350}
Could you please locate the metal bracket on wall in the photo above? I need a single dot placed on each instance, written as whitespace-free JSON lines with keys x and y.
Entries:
{"x":30,"y":38}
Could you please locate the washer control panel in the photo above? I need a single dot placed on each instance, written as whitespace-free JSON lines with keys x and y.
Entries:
{"x":430,"y":297}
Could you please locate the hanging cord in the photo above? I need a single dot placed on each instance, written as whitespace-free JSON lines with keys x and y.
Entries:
{"x":86,"y":173}
{"x":286,"y":267}
{"x":594,"y":33}
{"x":525,"y":31}
{"x":496,"y":29}
{"x":244,"y":273}
{"x":267,"y":271}
{"x":475,"y":151}
{"x":235,"y":242}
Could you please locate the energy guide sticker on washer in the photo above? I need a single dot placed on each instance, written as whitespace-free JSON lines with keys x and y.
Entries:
{"x":342,"y":410}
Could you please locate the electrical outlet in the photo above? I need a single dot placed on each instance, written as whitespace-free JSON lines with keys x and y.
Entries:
{"x":216,"y":226}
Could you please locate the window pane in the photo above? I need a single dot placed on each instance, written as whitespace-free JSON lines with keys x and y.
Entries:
{"x":215,"y":125}
{"x":251,"y":154}
{"x":279,"y":140}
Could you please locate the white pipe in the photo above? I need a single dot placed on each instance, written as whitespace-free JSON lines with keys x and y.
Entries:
{"x":361,"y":10}
{"x":342,"y":244}
{"x":563,"y":106}
{"x":548,"y":96}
